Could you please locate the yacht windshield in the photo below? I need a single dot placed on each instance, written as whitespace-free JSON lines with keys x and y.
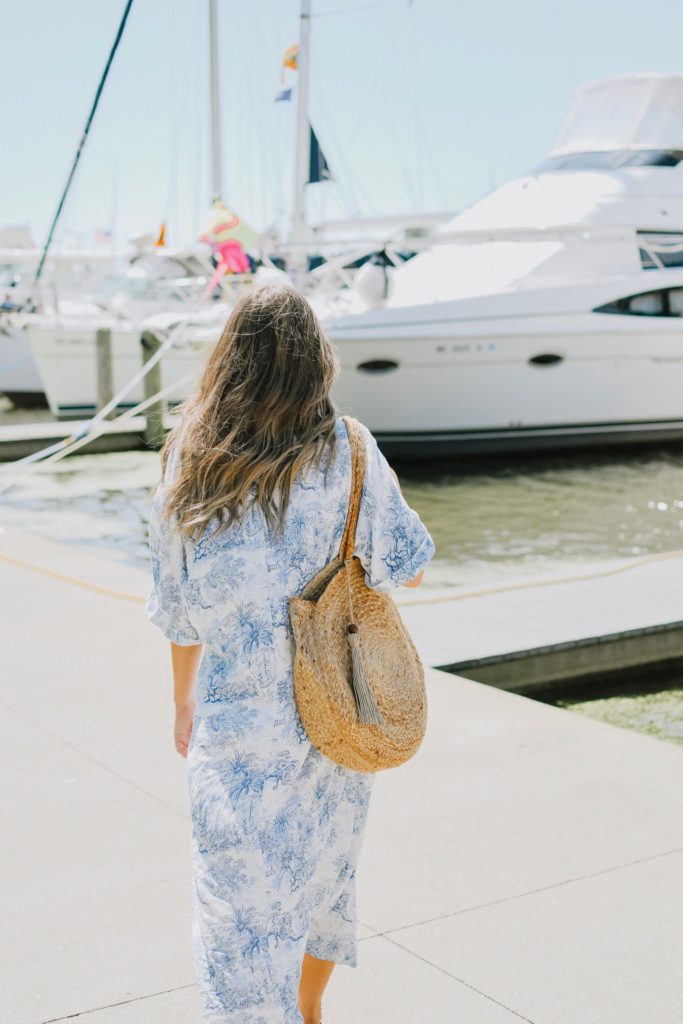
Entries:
{"x":611,"y":159}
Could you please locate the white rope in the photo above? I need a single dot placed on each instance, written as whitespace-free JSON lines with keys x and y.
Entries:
{"x":92,"y":424}
{"x":542,"y":581}
{"x":67,"y":444}
{"x":62,"y":449}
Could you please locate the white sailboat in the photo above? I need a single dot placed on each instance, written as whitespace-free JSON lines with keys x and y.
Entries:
{"x":159,"y":285}
{"x":69,"y":274}
{"x":64,"y":342}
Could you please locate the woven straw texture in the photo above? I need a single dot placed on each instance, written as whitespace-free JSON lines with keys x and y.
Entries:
{"x":337,"y":596}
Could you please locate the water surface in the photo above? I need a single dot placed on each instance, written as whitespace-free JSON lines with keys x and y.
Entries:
{"x":492,"y":522}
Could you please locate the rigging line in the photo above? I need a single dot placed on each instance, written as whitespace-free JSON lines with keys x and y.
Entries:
{"x":391,"y":123}
{"x":170,"y":215}
{"x":195,"y":107}
{"x":81,"y":144}
{"x":351,"y":187}
{"x":417,"y":122}
{"x":416,"y":186}
{"x":422,"y":139}
{"x":362,"y":7}
{"x":274,"y":209}
{"x":265,"y":162}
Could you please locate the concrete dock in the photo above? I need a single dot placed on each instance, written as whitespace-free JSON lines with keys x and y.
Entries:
{"x":525,"y":865}
{"x":526,"y":634}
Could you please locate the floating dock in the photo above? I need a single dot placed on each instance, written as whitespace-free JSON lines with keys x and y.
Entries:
{"x":534,"y":633}
{"x":18,"y":440}
{"x":525,"y":865}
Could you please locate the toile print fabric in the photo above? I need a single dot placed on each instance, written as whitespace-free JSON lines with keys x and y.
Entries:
{"x":277,"y":827}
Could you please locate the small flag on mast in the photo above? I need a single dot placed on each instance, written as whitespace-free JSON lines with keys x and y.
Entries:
{"x":318,"y":167}
{"x":290,"y":59}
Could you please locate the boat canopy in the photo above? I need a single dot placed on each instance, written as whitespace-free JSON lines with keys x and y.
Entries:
{"x":627,"y":112}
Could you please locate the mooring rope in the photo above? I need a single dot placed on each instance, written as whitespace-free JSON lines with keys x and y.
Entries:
{"x":446,"y":598}
{"x":548,"y":581}
{"x":18,"y":563}
{"x":84,"y":436}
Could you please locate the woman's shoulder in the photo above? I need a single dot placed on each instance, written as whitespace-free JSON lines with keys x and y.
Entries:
{"x":342,"y":429}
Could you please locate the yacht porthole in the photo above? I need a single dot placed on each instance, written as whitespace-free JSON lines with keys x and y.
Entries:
{"x":378,"y":366}
{"x":546,"y":359}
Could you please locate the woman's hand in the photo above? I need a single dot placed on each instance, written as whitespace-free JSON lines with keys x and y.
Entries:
{"x":416,"y":580}
{"x":184,"y":716}
{"x":186,"y":659}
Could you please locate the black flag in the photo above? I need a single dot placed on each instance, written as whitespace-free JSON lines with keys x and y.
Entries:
{"x":318,"y":167}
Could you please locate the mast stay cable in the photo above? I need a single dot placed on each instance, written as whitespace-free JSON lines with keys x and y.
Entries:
{"x":81,"y":144}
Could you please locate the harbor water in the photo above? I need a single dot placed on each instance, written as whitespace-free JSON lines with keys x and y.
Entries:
{"x":492,"y":522}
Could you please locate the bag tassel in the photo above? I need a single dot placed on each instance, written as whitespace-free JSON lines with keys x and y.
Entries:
{"x":368,"y":711}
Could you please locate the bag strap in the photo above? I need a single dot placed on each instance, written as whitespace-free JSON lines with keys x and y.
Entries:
{"x":357,"y":443}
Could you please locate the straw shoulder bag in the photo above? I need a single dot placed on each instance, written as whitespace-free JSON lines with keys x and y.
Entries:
{"x":359,"y":682}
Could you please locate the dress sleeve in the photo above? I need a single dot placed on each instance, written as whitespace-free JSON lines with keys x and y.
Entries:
{"x":166,"y":605}
{"x":392,"y":542}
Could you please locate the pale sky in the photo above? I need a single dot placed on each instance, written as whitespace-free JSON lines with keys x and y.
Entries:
{"x":418,"y":107}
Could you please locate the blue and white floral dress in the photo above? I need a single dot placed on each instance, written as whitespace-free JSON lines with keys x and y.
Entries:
{"x":276,"y":826}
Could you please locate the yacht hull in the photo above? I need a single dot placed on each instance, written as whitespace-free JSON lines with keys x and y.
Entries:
{"x":66,"y":358}
{"x":528,"y":383}
{"x":19,"y":376}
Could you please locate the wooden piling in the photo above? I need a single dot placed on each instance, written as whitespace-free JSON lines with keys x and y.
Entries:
{"x":154,"y":414}
{"x":105,"y":376}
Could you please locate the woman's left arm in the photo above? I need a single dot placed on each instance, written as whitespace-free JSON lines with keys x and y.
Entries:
{"x":185,"y":660}
{"x":168,"y":608}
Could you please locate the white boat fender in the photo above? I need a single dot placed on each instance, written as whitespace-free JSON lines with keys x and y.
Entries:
{"x":373,"y":283}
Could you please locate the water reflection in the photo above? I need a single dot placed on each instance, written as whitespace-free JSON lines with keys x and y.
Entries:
{"x":547,"y":514}
{"x":491,"y":521}
{"x":89,"y":499}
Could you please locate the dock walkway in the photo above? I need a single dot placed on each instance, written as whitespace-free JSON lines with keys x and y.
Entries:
{"x":526,"y":865}
{"x":607,"y":617}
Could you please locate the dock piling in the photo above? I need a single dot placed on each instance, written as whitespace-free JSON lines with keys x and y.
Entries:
{"x":105,"y":384}
{"x":154,"y":429}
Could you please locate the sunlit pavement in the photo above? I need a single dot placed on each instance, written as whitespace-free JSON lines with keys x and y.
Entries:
{"x":526,"y":864}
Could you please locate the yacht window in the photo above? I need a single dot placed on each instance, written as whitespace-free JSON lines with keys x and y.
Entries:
{"x":650,"y":304}
{"x":645,"y":304}
{"x":667,"y":259}
{"x":661,"y":248}
{"x":611,"y":159}
{"x":676,"y":302}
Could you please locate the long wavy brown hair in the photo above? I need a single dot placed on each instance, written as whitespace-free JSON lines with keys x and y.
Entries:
{"x":260,"y":413}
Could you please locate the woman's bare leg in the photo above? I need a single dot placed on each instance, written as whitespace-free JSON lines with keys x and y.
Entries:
{"x":315,"y":975}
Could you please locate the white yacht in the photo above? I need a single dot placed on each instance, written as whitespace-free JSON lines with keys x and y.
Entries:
{"x":550,"y":313}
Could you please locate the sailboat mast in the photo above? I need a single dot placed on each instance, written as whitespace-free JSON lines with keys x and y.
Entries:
{"x":215,"y":105}
{"x":303,"y":141}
